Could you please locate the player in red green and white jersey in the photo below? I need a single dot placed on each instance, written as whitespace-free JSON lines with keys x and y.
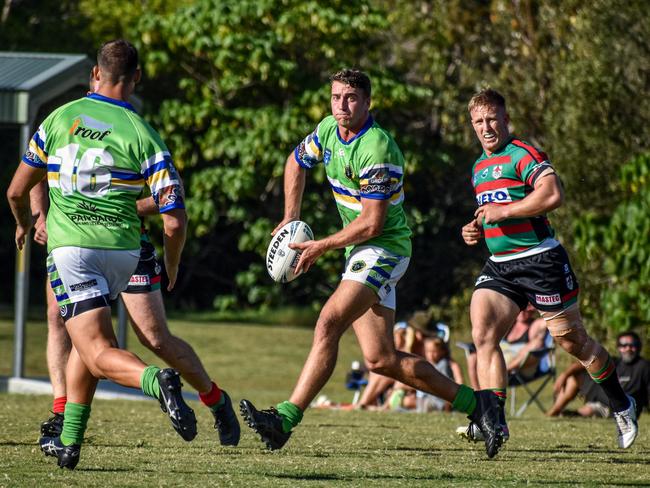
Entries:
{"x":365,"y":169}
{"x":516,"y":187}
{"x":97,"y":154}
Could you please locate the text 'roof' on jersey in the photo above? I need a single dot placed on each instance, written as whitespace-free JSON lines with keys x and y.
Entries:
{"x":507,"y":176}
{"x":368,"y":166}
{"x":99,"y":153}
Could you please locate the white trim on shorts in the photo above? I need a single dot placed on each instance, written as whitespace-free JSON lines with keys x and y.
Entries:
{"x":378,"y":269}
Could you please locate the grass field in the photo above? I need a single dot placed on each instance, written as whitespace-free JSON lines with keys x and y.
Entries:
{"x":130,"y":443}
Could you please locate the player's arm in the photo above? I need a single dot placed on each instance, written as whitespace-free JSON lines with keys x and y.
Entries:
{"x":369,"y":224}
{"x":146,"y":206}
{"x":40,"y":202}
{"x":174,"y":233}
{"x":295,"y":177}
{"x":547,"y":195}
{"x":25,"y":178}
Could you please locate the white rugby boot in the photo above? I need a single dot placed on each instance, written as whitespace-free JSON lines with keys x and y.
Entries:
{"x":627,"y":427}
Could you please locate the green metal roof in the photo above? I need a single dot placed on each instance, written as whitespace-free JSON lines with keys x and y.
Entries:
{"x":28,"y":80}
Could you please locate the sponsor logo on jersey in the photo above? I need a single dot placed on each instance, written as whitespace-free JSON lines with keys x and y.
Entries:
{"x":97,"y":219}
{"x":548,"y":299}
{"x":493,"y":196}
{"x":327,"y":156}
{"x":485,"y":173}
{"x":482,"y":279}
{"x":274,"y":249}
{"x":88,"y":128}
{"x":83,"y":285}
{"x":567,"y":270}
{"x":569,"y":282}
{"x":341,"y":152}
{"x":497,"y":171}
{"x":139,"y":280}
{"x":357,"y":266}
{"x":348,"y":171}
{"x":87,"y":206}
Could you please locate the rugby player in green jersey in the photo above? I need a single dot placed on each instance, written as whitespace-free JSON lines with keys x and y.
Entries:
{"x":144,"y":303}
{"x":97,"y":154}
{"x":515,"y":186}
{"x":365,"y":169}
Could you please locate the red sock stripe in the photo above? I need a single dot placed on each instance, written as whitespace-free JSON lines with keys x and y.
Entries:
{"x":211,"y":398}
{"x":58,"y":405}
{"x":609,"y":370}
{"x":501,"y":393}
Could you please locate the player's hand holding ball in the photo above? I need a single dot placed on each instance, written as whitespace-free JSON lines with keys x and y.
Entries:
{"x":284,"y":260}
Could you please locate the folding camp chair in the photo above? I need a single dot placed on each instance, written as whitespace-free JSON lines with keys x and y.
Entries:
{"x":545,"y":372}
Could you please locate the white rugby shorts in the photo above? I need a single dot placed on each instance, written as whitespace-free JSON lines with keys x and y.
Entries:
{"x":79,"y":273}
{"x":378,"y":269}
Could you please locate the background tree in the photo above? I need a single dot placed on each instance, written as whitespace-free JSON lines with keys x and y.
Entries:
{"x":234,"y":86}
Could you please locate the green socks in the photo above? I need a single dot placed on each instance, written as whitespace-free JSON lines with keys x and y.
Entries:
{"x":76,"y":419}
{"x":291,"y":415}
{"x":149,"y":382}
{"x":465,"y":400}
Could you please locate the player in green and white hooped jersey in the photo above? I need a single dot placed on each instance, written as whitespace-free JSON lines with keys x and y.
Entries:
{"x":515,"y":187}
{"x":97,"y":154}
{"x":365,"y":169}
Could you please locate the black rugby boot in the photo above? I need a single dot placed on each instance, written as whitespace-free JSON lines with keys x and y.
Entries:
{"x":67,"y":456}
{"x":172,"y":403}
{"x":226,"y":423}
{"x":486,"y":417}
{"x":267,"y":423}
{"x":53,"y":426}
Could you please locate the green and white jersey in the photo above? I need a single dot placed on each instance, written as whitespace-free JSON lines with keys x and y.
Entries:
{"x":368,"y":166}
{"x":99,"y":153}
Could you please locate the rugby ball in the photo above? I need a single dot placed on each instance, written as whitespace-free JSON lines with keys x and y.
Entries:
{"x":281,"y":260}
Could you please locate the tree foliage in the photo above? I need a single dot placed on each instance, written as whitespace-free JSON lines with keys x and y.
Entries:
{"x":234,"y":86}
{"x":619,"y":245}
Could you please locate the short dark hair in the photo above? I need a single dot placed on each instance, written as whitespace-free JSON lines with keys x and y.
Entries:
{"x":354,"y":78}
{"x":118,"y":59}
{"x":635,"y":338}
{"x":487,"y":96}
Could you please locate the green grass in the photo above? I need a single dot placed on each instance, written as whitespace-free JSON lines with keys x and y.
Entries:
{"x":129,"y":443}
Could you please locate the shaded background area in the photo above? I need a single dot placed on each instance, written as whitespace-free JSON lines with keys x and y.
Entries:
{"x":233,"y":87}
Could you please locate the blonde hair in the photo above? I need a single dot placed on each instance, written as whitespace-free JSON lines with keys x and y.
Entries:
{"x":487,"y":97}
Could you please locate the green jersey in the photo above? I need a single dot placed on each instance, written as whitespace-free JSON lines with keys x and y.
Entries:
{"x":99,"y":153}
{"x":506,"y":176}
{"x":368,"y":166}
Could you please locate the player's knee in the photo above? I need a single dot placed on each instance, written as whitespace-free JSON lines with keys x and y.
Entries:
{"x":382,"y":364}
{"x":569,"y":333}
{"x":154,"y":342}
{"x":327,"y":330}
{"x":484,"y":337}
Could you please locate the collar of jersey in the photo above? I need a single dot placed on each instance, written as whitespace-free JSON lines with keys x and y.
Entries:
{"x":119,"y":103}
{"x":501,"y":149}
{"x":363,"y":130}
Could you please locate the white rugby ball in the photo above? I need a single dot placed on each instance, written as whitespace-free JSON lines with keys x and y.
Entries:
{"x":281,"y":260}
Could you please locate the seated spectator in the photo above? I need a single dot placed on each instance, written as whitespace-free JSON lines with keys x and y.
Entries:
{"x":436,"y":351}
{"x":633,"y":373}
{"x":527,"y":334}
{"x":407,"y":339}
